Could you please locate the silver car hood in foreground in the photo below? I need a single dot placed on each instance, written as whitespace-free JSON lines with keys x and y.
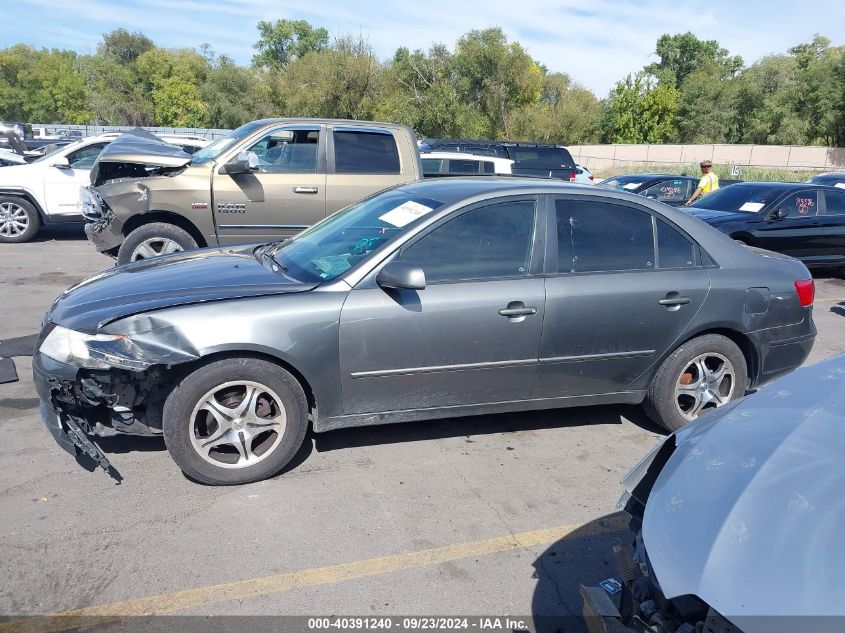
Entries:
{"x":748,"y":513}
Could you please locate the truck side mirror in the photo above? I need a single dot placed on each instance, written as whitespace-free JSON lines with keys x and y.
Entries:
{"x":60,"y":162}
{"x":245,"y":163}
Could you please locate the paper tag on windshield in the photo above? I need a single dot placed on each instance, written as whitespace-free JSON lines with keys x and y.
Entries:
{"x":405,"y":213}
{"x":752,"y":206}
{"x":841,"y":185}
{"x":632,"y":185}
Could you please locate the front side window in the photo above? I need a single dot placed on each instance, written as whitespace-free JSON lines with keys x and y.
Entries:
{"x":669,"y":190}
{"x":84,"y":158}
{"x":287,"y":151}
{"x":800,"y":204}
{"x":598,"y":236}
{"x":360,"y":152}
{"x":484,"y":243}
{"x":458,"y":166}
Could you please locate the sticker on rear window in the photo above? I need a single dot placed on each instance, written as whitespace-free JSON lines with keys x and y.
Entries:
{"x":632,"y":185}
{"x":752,"y":206}
{"x":405,"y":213}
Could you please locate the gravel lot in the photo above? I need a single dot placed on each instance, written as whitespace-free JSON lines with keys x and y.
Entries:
{"x":71,"y":539}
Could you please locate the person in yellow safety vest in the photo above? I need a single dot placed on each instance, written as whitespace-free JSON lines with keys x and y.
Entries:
{"x":708,"y":184}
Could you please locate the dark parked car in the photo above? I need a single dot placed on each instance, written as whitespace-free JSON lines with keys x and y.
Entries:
{"x":432,"y":299}
{"x":831,"y":178}
{"x":529,"y":159}
{"x":672,"y":190}
{"x":738,"y":516}
{"x":803,"y":220}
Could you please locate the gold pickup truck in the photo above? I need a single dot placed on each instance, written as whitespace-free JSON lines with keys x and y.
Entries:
{"x":266,"y":180}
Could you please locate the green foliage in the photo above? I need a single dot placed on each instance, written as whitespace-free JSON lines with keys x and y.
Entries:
{"x":284,"y":41}
{"x":486,"y":87}
{"x":641,"y":110}
{"x":723,"y":171}
{"x":682,"y":54}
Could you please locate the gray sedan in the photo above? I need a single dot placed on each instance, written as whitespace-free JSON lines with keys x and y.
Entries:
{"x":429,"y":300}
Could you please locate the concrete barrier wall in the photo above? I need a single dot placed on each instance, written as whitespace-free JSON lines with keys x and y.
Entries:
{"x":599,"y":157}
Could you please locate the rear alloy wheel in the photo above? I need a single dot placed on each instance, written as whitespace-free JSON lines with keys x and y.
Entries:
{"x":235,"y":420}
{"x":19,"y":221}
{"x":702,"y":374}
{"x":152,"y":240}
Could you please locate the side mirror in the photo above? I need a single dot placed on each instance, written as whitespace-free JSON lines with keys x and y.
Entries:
{"x":245,"y":163}
{"x":779,"y":214}
{"x":60,"y":162}
{"x":401,"y":275}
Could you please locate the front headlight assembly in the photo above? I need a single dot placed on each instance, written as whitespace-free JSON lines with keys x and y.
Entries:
{"x":91,"y":351}
{"x":89,"y":205}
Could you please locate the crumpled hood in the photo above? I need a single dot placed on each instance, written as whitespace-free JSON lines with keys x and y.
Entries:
{"x":140,"y":147}
{"x":712,"y":216}
{"x":749,"y":511}
{"x":209,"y":274}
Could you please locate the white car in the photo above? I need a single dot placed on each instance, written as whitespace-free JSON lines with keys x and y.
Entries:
{"x":583,"y":175}
{"x":437,"y":163}
{"x":46,"y":191}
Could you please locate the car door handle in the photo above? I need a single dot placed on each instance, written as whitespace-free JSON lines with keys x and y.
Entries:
{"x":674,"y":299}
{"x":305,"y":189}
{"x":517,"y":311}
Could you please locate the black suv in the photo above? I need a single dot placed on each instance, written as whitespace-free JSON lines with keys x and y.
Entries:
{"x":530,"y":159}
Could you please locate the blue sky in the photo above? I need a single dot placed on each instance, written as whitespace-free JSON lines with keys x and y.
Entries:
{"x":596,"y":42}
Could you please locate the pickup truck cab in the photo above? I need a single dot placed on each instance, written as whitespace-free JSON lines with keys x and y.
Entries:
{"x":266,"y":180}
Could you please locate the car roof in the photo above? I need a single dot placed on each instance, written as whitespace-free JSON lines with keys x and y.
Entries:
{"x":465,"y":156}
{"x":650,"y":176}
{"x":449,"y":190}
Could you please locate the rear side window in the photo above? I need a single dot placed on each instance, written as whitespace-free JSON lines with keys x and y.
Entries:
{"x":834,"y":202}
{"x":458,"y":166}
{"x":365,"y":153}
{"x":487,"y":242}
{"x":673,"y":248}
{"x":598,"y":236}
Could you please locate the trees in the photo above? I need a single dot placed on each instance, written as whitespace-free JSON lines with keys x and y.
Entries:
{"x":682,"y":54}
{"x":284,"y":41}
{"x":641,"y":110}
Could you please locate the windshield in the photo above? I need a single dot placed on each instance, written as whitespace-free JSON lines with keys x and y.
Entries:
{"x":213,"y":150}
{"x":739,"y":197}
{"x":336,"y":244}
{"x":628,"y":183}
{"x":56,"y":150}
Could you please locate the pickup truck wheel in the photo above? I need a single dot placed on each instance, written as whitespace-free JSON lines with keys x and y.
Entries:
{"x":152,"y":240}
{"x":19,"y":221}
{"x":234,"y":421}
{"x":704,"y":373}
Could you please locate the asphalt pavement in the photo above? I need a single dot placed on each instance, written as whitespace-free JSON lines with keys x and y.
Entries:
{"x":492,"y":515}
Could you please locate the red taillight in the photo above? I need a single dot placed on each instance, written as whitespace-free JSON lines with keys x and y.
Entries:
{"x":806,"y":289}
{"x":572,"y":177}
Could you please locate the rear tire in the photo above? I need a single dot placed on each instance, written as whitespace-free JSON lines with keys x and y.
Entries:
{"x":19,"y":220}
{"x":152,"y":240}
{"x":235,"y":421}
{"x":704,"y":373}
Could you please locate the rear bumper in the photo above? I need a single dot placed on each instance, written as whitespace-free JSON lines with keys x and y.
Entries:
{"x":782,"y":349}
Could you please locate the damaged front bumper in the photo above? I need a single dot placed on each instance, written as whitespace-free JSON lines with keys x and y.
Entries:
{"x":106,"y":232}
{"x":78,"y":405}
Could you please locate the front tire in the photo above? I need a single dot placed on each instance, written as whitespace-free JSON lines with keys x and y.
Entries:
{"x":235,"y":421}
{"x":152,"y":240}
{"x":19,"y":220}
{"x":704,"y":373}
